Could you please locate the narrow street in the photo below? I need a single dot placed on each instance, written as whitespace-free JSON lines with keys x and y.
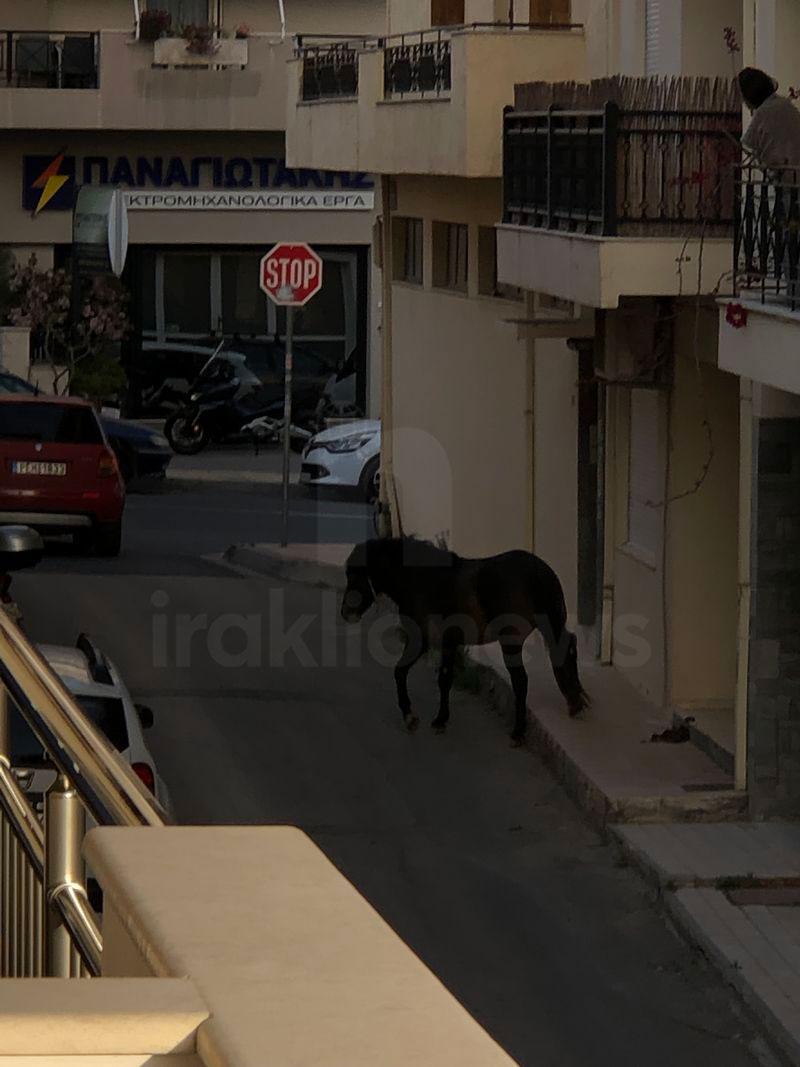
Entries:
{"x":468,"y":849}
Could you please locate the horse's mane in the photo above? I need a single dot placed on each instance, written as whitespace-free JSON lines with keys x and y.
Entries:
{"x":410,"y":551}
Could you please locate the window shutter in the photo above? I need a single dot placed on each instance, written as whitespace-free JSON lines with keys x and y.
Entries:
{"x":645,"y":477}
{"x":652,"y":39}
{"x":546,"y":11}
{"x":447,"y":12}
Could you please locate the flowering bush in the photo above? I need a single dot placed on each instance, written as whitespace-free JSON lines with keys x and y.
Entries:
{"x":736,"y":316}
{"x":154,"y":24}
{"x":201,"y":40}
{"x":42,"y":300}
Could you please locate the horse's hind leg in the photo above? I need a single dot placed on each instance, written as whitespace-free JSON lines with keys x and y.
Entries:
{"x":512,"y":655}
{"x":446,"y":670}
{"x":411,"y":654}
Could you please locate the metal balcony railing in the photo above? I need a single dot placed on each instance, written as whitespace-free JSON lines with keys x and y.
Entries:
{"x":417,"y":64}
{"x":621,"y":172}
{"x":330,"y":66}
{"x":47,"y":60}
{"x":48,"y":924}
{"x":767,"y":235}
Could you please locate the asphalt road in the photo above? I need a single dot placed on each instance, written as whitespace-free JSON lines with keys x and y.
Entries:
{"x":469,"y":849}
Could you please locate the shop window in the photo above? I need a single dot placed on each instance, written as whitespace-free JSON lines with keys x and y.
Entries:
{"x":407,"y":239}
{"x":557,"y":12}
{"x":451,"y":256}
{"x":488,"y":285}
{"x":244,"y":305}
{"x":645,"y":476}
{"x":447,"y":12}
{"x":187,"y":283}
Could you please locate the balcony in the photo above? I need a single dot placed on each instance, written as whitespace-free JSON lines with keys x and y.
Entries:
{"x":421,"y":103}
{"x":759,"y":339}
{"x":613,"y":200}
{"x":108,"y":80}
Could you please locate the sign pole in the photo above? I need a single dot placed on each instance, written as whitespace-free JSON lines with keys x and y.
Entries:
{"x":287,"y":419}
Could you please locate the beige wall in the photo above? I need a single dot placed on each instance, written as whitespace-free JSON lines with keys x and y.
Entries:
{"x":461,"y":400}
{"x":306,"y":16}
{"x":698,"y":663}
{"x":772,"y":38}
{"x":703,"y":526}
{"x":704,"y":49}
{"x":555,"y":455}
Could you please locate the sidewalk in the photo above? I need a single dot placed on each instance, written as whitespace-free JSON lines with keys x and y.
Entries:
{"x":731,"y":887}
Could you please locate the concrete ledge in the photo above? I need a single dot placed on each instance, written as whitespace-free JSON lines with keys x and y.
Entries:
{"x":318,"y":565}
{"x":106,"y":1016}
{"x":603,"y":759}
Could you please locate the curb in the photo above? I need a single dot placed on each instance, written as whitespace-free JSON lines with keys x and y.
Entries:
{"x":274,"y":565}
{"x":777,"y":1032}
{"x":601,"y":809}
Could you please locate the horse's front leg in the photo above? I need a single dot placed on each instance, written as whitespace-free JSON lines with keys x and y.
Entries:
{"x":446,"y":671}
{"x":413,"y":651}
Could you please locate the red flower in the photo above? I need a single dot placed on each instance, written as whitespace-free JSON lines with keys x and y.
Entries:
{"x":736,"y":316}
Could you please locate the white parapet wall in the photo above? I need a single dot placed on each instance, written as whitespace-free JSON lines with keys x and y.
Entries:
{"x":15,"y":350}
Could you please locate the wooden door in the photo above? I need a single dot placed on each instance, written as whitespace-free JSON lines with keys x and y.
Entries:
{"x":447,"y":12}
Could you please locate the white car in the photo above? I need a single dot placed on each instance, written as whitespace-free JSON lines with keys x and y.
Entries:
{"x":347,"y":456}
{"x":99,"y":690}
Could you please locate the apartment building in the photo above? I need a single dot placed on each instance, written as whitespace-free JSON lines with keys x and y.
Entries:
{"x":193,"y":132}
{"x":421,"y":106}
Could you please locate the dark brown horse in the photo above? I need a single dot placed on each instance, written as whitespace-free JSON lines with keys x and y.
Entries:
{"x":449,"y":602}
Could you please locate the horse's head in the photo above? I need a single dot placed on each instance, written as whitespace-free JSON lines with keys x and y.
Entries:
{"x":359,"y":596}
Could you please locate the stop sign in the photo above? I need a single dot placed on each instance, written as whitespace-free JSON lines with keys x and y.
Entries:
{"x":291,"y":273}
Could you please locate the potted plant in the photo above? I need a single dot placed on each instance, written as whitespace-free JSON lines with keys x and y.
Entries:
{"x":154,"y":24}
{"x":201,"y":40}
{"x":242,"y":31}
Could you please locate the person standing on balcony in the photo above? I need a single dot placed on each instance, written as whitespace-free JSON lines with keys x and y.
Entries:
{"x":773,"y":136}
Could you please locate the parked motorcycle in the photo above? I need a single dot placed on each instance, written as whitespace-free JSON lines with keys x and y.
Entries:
{"x":229,"y":401}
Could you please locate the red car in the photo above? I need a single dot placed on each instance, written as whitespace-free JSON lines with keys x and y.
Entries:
{"x":58,"y":473}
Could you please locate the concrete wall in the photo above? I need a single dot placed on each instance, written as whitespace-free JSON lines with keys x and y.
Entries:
{"x":461,"y":391}
{"x":459,"y":133}
{"x":703,"y":526}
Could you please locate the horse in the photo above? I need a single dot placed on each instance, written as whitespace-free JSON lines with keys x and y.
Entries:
{"x":447,"y":601}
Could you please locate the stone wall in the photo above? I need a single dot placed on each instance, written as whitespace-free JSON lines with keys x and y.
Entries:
{"x":773,"y":761}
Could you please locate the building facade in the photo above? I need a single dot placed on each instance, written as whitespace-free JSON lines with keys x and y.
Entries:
{"x":196,"y":141}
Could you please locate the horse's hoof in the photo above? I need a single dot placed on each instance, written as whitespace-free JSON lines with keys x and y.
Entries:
{"x":517,"y":742}
{"x":439,"y":728}
{"x":411,"y":722}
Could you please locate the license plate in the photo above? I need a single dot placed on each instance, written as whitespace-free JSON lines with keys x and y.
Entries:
{"x":35,"y":466}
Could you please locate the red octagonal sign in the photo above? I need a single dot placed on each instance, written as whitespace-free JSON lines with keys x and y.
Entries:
{"x":291,"y":273}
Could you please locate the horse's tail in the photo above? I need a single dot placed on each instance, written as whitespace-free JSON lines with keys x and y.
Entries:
{"x":562,"y":646}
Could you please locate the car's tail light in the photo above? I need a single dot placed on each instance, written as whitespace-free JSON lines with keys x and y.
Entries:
{"x":145,"y":773}
{"x":5,"y":586}
{"x":107,"y":464}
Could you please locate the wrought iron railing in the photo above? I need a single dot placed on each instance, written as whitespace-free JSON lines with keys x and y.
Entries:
{"x":330,"y":66}
{"x":621,"y":172}
{"x":39,"y":59}
{"x":767,"y":235}
{"x":417,"y":64}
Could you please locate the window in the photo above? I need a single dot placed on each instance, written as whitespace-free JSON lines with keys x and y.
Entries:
{"x":488,"y":285}
{"x":645,"y":476}
{"x":551,"y":11}
{"x":407,"y":239}
{"x":183,"y":12}
{"x":447,"y":12}
{"x":450,"y":256}
{"x":49,"y":423}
